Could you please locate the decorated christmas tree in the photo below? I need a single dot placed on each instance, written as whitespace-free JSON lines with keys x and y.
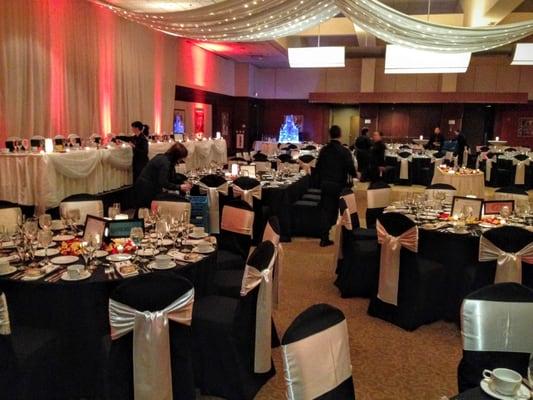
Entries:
{"x":289,"y":131}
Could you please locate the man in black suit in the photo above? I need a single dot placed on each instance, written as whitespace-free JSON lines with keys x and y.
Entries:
{"x":460,"y":145}
{"x":436,"y":140}
{"x":335,"y":169}
{"x":362,"y":147}
{"x":377,"y":157}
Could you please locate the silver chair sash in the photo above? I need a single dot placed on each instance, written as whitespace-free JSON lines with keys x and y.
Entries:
{"x":263,"y":335}
{"x":497,"y":326}
{"x":520,"y":174}
{"x":307,"y":166}
{"x":237,"y":220}
{"x":378,"y":198}
{"x":466,"y":152}
{"x":214,"y":204}
{"x":488,"y":168}
{"x":389,"y":268}
{"x":5,"y":325}
{"x":509,"y":265}
{"x":351,"y":202}
{"x":318,"y":363}
{"x":247,"y":195}
{"x":152,"y":375}
{"x":404,"y":166}
{"x":269,"y":234}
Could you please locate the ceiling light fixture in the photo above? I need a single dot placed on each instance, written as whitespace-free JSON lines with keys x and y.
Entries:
{"x":406,"y":60}
{"x":523,"y":54}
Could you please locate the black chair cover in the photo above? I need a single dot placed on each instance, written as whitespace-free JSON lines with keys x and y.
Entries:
{"x":471,"y":366}
{"x":260,"y":157}
{"x":309,"y":147}
{"x":151,"y":293}
{"x":224,"y":340}
{"x":440,"y":186}
{"x":80,"y":197}
{"x":313,"y":321}
{"x":8,"y":204}
{"x":512,"y":190}
{"x":306,"y":158}
{"x":510,"y":149}
{"x":247,"y":183}
{"x":421,"y":285}
{"x":213,"y":180}
{"x":285,"y":158}
{"x":503,"y":172}
{"x":238,"y":159}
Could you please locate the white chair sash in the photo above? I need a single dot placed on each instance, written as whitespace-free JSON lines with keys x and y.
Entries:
{"x":247,"y":195}
{"x":466,"y":152}
{"x":509,"y":265}
{"x":351,"y":202}
{"x":378,"y":198}
{"x":488,"y":168}
{"x":152,"y":375}
{"x":89,"y":207}
{"x":237,"y":220}
{"x":263,"y":335}
{"x":5,"y":326}
{"x":404,"y":166}
{"x":520,"y":174}
{"x":389,"y":269}
{"x":497,"y":326}
{"x":274,"y":237}
{"x":318,"y":363}
{"x":214,"y":207}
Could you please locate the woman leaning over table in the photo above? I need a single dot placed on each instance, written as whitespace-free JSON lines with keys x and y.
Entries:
{"x":139,"y":143}
{"x":160,"y":173}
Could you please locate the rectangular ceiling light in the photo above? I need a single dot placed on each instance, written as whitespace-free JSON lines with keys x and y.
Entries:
{"x":316,"y":57}
{"x":523,"y":54}
{"x":406,"y":60}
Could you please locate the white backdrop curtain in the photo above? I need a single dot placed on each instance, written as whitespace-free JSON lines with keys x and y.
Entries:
{"x":235,"y":20}
{"x":70,"y":66}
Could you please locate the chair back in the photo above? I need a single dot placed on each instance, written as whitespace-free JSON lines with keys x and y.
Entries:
{"x":351,"y":205}
{"x":260,"y":157}
{"x":284,"y":158}
{"x":378,"y":196}
{"x":37,"y":141}
{"x":236,"y":227}
{"x":449,"y":190}
{"x":9,"y":217}
{"x":86,"y":203}
{"x":216,"y":187}
{"x":11,"y":141}
{"x":496,"y":327}
{"x":143,"y":297}
{"x":272,"y":231}
{"x":59,"y":140}
{"x":248,"y":189}
{"x":74,"y":138}
{"x":511,"y":193}
{"x":308,"y":372}
{"x":171,"y":204}
{"x":509,"y":149}
{"x":8,"y":366}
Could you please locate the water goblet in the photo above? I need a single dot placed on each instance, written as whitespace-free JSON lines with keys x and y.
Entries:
{"x":44,"y":237}
{"x":136,"y":236}
{"x":74,"y":216}
{"x":45,"y":220}
{"x":95,"y":242}
{"x":161,"y":229}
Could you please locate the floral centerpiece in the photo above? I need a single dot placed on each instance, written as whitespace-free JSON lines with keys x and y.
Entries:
{"x":120,"y":246}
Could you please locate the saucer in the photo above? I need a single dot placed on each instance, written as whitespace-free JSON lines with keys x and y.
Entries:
{"x":100,"y":253}
{"x":523,"y":392}
{"x":50,"y":252}
{"x":119,"y":257}
{"x":452,"y":230}
{"x":154,"y":265}
{"x":147,"y":252}
{"x":64,"y":260}
{"x":83,"y":275}
{"x":206,"y":251}
{"x":199,"y":236}
{"x":8,"y":271}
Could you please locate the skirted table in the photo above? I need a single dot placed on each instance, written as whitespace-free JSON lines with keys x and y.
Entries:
{"x":465,"y":184}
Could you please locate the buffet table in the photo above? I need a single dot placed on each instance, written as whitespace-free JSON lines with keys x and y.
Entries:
{"x":465,"y":184}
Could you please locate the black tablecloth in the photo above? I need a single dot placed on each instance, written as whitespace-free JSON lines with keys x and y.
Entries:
{"x":472,"y":394}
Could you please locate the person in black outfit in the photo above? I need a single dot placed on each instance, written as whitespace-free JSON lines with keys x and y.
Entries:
{"x":139,"y":143}
{"x":436,"y":140}
{"x":460,"y":145}
{"x":376,"y":163}
{"x":333,"y":168}
{"x":362,"y":148}
{"x":160,"y":173}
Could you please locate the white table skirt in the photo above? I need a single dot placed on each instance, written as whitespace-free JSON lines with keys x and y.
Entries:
{"x":464,"y":184}
{"x":44,"y":180}
{"x":201,"y":153}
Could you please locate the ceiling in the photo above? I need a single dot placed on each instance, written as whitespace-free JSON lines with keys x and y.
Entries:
{"x":161,"y":6}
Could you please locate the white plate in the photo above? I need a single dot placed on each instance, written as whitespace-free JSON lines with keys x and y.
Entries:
{"x":8,"y":271}
{"x":465,"y":232}
{"x":100,"y":253}
{"x":7,"y":245}
{"x":487,"y":225}
{"x":167,"y":242}
{"x":523,"y":392}
{"x":49,"y":252}
{"x":83,"y":275}
{"x":63,"y":238}
{"x":147,"y":252}
{"x":170,"y":265}
{"x":429,"y":227}
{"x":61,"y":260}
{"x":207,"y":251}
{"x":37,"y":245}
{"x":119,"y":257}
{"x":199,"y":236}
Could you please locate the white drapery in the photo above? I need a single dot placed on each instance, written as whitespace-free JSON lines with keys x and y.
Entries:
{"x":235,"y":20}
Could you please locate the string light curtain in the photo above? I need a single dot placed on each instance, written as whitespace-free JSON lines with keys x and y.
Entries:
{"x":258,"y":20}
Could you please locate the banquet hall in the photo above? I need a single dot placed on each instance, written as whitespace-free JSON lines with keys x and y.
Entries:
{"x":282,"y":199}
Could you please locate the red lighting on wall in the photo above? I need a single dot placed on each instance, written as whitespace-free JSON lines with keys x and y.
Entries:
{"x":106,"y":61}
{"x":199,"y":65}
{"x":158,"y":80}
{"x":216,"y":47}
{"x":57,"y":93}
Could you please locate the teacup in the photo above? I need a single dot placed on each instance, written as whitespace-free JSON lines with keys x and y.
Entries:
{"x":162,"y":260}
{"x":4,"y":265}
{"x":503,"y":380}
{"x":204,"y":246}
{"x":74,"y":271}
{"x":199,"y":230}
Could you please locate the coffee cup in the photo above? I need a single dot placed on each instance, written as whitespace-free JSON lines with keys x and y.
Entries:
{"x":74,"y":271}
{"x":203,"y":246}
{"x":4,"y":265}
{"x":503,"y":380}
{"x":162,"y":260}
{"x":199,"y":230}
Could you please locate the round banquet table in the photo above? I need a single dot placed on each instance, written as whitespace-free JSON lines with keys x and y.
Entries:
{"x":473,"y":394}
{"x":77,"y":313}
{"x":464,"y":184}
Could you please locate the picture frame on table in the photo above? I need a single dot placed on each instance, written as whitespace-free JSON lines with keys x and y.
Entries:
{"x":247,"y":170}
{"x":122,"y":228}
{"x":493,"y":207}
{"x":462,"y":203}
{"x":94,"y":225}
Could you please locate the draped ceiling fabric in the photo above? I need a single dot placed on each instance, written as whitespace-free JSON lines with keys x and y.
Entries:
{"x":236,"y":20}
{"x":70,"y":66}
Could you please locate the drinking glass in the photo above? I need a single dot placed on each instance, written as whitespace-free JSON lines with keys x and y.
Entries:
{"x":95,"y":242}
{"x":86,"y":251}
{"x":112,"y":212}
{"x":30,"y":228}
{"x":45,"y":221}
{"x":136,"y":236}
{"x":161,"y":228}
{"x":505,"y":212}
{"x":44,"y":237}
{"x":74,"y":216}
{"x":144,"y":214}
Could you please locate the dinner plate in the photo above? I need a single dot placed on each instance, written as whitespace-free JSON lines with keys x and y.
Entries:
{"x":154,"y":265}
{"x":429,"y":227}
{"x":147,"y":252}
{"x":465,"y":232}
{"x":49,"y":252}
{"x":83,"y":275}
{"x":199,"y":236}
{"x":167,"y":242}
{"x":63,"y":238}
{"x":8,"y":271}
{"x":206,"y":251}
{"x":64,"y":260}
{"x":486,"y":225}
{"x":37,"y":245}
{"x":100,"y":253}
{"x":523,"y":392}
{"x":119,"y":257}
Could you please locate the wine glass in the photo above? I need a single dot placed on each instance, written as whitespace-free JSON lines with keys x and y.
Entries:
{"x":86,"y":251}
{"x":136,"y":236}
{"x":95,"y":242}
{"x":144,"y":214}
{"x":161,"y":228}
{"x":505,"y":212}
{"x":45,"y":220}
{"x":74,"y":216}
{"x":30,"y":228}
{"x":44,"y":237}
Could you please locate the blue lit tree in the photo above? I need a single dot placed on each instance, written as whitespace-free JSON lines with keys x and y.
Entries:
{"x":289,"y":131}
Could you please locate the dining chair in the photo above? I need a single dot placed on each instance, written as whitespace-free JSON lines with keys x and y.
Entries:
{"x":150,"y":354}
{"x":87,"y":204}
{"x":378,"y":197}
{"x":249,"y":190}
{"x":59,"y":140}
{"x":10,"y":213}
{"x":496,"y":328}
{"x":410,"y":288}
{"x":37,"y":141}
{"x":260,"y":157}
{"x":11,"y":142}
{"x":171,"y":204}
{"x":284,"y":158}
{"x":308,"y":371}
{"x":216,"y":188}
{"x":405,"y":162}
{"x":511,"y":193}
{"x":521,"y":170}
{"x":233,"y":337}
{"x":74,"y":138}
{"x":448,"y":190}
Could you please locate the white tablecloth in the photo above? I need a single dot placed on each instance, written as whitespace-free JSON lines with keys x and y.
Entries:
{"x":201,"y":153}
{"x":44,"y":180}
{"x":464,"y":184}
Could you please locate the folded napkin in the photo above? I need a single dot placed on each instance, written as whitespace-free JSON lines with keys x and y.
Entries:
{"x":186,"y":257}
{"x":46,"y":270}
{"x":122,"y":265}
{"x":194,"y":242}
